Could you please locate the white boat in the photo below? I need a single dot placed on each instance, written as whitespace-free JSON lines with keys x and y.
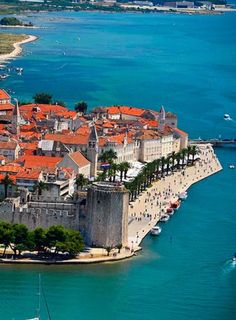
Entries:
{"x":165,"y":218}
{"x":3,"y":76}
{"x":227,"y":116}
{"x":155,"y":231}
{"x":183,"y":195}
{"x":231,"y":166}
{"x":19,"y":71}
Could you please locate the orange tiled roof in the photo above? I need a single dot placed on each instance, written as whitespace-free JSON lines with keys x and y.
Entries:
{"x":13,"y":178}
{"x":43,"y":162}
{"x":6,"y":106}
{"x":180,"y":132}
{"x":125,"y":110}
{"x":79,"y":139}
{"x":10,"y":168}
{"x":4,"y":95}
{"x":29,"y":175}
{"x":79,"y":159}
{"x":29,"y":145}
{"x":8,"y":145}
{"x":45,"y":108}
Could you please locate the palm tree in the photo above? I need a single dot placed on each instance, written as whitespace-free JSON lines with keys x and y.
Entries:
{"x":121,"y":168}
{"x":167,"y":160}
{"x":112,"y":155}
{"x":127,"y":166}
{"x":80,"y":181}
{"x":114,"y":168}
{"x":157,"y":167}
{"x":189,"y":150}
{"x":101,"y":176}
{"x":110,"y":173}
{"x":163,"y":162}
{"x":173,"y":158}
{"x":6,"y":181}
{"x":103,"y":157}
{"x":194,"y":152}
{"x":40,"y":186}
{"x":178,"y":158}
{"x":183,"y":153}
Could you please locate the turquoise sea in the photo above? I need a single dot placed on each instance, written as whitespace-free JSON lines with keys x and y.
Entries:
{"x":188,"y":64}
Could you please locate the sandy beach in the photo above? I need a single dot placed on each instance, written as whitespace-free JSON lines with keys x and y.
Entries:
{"x":17,"y":49}
{"x":147,"y":210}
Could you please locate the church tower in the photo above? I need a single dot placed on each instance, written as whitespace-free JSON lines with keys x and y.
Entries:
{"x":161,"y":119}
{"x":16,"y":120}
{"x":92,"y":151}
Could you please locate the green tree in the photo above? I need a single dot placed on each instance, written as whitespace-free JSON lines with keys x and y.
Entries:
{"x":81,"y":181}
{"x":43,"y":97}
{"x":10,"y":21}
{"x":81,"y":106}
{"x":6,"y":181}
{"x":20,"y":240}
{"x":194,"y":152}
{"x":108,"y":248}
{"x":119,"y":247}
{"x":54,"y":235}
{"x":101,"y":176}
{"x":127,"y":166}
{"x":39,"y":239}
{"x":6,"y":235}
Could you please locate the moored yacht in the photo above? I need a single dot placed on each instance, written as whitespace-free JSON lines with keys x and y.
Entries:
{"x":155,"y":231}
{"x":175,"y":205}
{"x":170,"y":211}
{"x":165,"y":218}
{"x":183,"y":195}
{"x":231,"y":166}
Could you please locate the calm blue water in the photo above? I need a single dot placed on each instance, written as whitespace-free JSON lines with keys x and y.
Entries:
{"x":187,"y":63}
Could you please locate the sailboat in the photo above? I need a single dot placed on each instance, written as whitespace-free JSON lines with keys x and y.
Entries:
{"x":37,"y":317}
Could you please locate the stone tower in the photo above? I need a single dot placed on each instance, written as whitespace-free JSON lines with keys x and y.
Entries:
{"x":161,"y":119}
{"x":92,"y":151}
{"x":16,"y":120}
{"x":107,"y":215}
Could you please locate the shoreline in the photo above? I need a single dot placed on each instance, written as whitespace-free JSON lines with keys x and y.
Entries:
{"x":17,"y":49}
{"x":144,"y":214}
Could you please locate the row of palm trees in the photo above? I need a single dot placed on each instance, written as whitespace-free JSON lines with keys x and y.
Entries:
{"x":158,"y":168}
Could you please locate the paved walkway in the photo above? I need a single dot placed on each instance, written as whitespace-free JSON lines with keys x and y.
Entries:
{"x":147,"y":210}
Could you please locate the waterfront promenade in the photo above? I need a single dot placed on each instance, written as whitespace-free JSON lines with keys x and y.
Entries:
{"x":147,"y":210}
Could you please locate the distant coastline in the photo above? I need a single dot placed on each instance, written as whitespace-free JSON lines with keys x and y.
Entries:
{"x":17,"y":49}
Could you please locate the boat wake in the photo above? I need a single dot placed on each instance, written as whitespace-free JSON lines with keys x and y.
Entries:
{"x":229,"y":266}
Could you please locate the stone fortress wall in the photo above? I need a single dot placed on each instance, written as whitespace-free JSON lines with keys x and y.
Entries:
{"x":103,"y":221}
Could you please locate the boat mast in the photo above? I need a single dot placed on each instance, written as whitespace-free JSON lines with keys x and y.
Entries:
{"x":39,"y":298}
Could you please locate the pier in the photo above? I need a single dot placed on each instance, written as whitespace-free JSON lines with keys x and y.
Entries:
{"x":214,"y":142}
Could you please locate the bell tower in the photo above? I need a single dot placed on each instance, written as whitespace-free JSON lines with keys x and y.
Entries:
{"x":16,"y":119}
{"x":161,"y":119}
{"x":92,"y":151}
